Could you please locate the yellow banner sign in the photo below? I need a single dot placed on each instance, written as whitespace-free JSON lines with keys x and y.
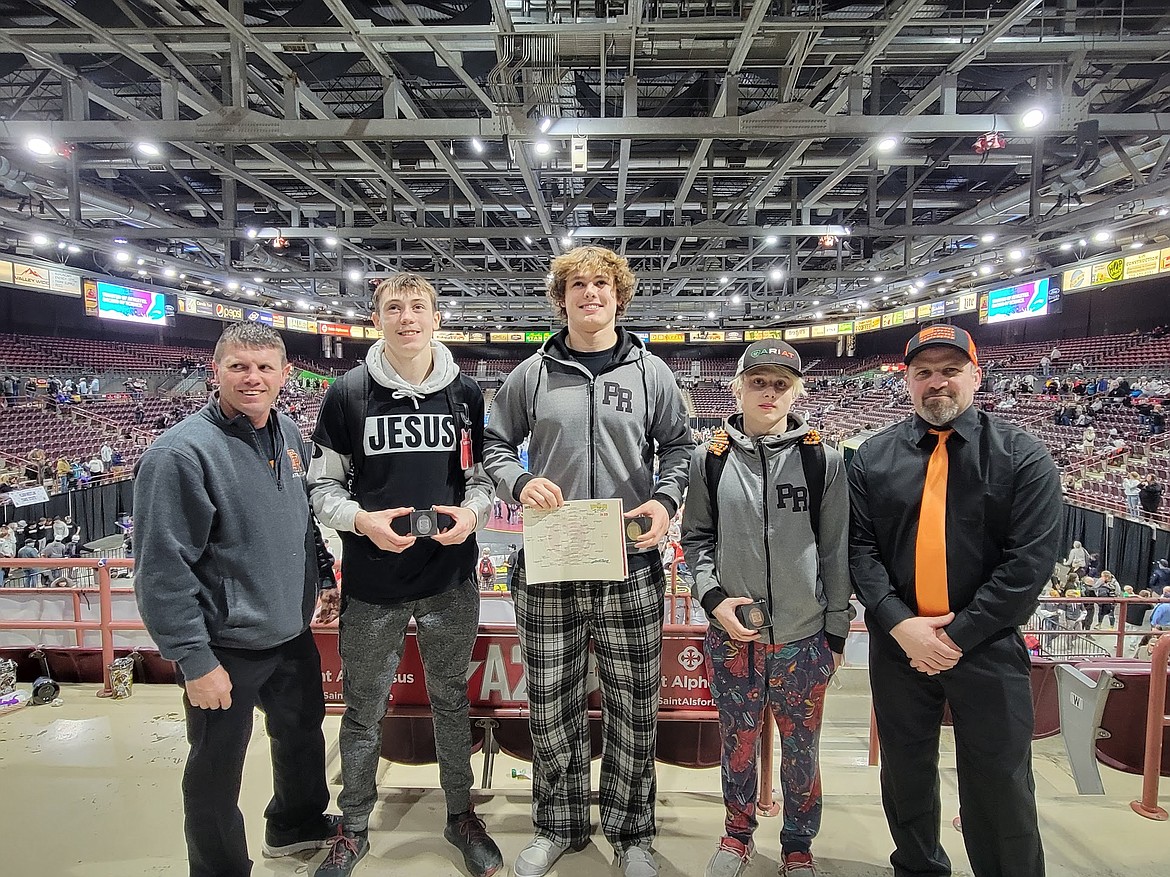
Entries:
{"x":765,"y":334}
{"x":1108,"y":272}
{"x":706,"y":336}
{"x":1141,"y":265}
{"x":796,"y":334}
{"x":667,"y":337}
{"x":868,"y":324}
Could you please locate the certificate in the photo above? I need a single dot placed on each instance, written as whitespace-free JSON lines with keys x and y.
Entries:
{"x":581,"y":541}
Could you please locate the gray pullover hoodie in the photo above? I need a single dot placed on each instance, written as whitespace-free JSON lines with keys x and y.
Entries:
{"x":765,"y":547}
{"x":225,"y":553}
{"x":594,"y":437}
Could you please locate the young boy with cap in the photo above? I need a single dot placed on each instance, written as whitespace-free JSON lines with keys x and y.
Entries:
{"x":765,"y":531}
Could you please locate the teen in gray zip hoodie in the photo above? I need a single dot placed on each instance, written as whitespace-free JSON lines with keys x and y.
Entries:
{"x":597,"y":408}
{"x":755,"y":541}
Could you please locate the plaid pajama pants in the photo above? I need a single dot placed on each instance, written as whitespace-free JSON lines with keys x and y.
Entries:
{"x":556,"y":622}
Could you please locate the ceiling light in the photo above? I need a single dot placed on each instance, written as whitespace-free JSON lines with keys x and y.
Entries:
{"x":60,"y":245}
{"x":887,"y":144}
{"x":1137,"y":245}
{"x":885,"y":298}
{"x":736,"y":299}
{"x":710,"y":315}
{"x":1082,"y":243}
{"x":40,"y":240}
{"x":353,"y":275}
{"x":303,"y":305}
{"x":988,"y":237}
{"x":349,"y":312}
{"x":724,"y":280}
{"x":1102,"y":235}
{"x":527,"y":240}
{"x":920,"y":284}
{"x":122,"y":256}
{"x":73,"y":248}
{"x":39,"y":146}
{"x":820,"y":315}
{"x":567,"y":241}
{"x":251,"y":234}
{"x":1163,"y":211}
{"x":330,"y":241}
{"x":542,"y":147}
{"x":150,"y":150}
{"x":1066,"y":246}
{"x":545,"y":124}
{"x":141,"y":262}
{"x":142,"y":272}
{"x":862,"y":304}
{"x":169,"y":272}
{"x":182,"y":276}
{"x":816,"y":301}
{"x":1033,"y":117}
{"x":1016,"y":254}
{"x":878,"y":278}
{"x":771,"y":240}
{"x":776,"y":274}
{"x":477,"y":145}
{"x":207,"y":283}
{"x":233,"y":284}
{"x":984,"y":269}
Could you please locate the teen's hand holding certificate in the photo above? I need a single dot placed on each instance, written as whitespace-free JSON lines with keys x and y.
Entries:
{"x":583,"y":539}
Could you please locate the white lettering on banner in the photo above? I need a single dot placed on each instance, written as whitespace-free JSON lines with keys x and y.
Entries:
{"x":400,"y":433}
{"x":495,"y":676}
{"x":688,"y":683}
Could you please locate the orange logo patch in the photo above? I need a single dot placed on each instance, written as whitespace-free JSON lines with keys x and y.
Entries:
{"x":295,"y":459}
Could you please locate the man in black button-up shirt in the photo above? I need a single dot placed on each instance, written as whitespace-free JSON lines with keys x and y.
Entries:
{"x":1002,"y":512}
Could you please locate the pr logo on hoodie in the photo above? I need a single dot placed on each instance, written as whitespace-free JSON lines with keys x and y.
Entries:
{"x":403,"y":433}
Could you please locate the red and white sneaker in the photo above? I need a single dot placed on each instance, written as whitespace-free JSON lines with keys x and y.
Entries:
{"x":798,"y":865}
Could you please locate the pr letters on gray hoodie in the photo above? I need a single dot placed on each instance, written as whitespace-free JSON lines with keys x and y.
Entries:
{"x":595,"y":438}
{"x":765,"y":547}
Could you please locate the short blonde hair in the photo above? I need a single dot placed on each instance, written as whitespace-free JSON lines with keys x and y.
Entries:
{"x":798,"y":390}
{"x":582,"y":260}
{"x":402,"y":284}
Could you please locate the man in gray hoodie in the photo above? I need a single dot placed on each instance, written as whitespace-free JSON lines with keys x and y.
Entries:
{"x":229,"y":565}
{"x":597,"y":407}
{"x":759,"y":538}
{"x":404,"y":432}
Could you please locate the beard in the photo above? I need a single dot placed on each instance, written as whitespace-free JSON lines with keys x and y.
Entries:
{"x":939,"y":410}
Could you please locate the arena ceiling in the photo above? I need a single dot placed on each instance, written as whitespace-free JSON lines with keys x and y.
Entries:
{"x":759,"y":162}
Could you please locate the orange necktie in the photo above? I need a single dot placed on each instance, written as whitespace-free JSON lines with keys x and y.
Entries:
{"x":930,"y":551}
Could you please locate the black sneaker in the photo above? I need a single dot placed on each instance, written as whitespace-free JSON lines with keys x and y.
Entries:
{"x":284,"y":843}
{"x":469,"y":835}
{"x":345,"y":851}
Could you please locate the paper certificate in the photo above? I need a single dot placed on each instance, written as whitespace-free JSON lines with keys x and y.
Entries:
{"x":580,"y":541}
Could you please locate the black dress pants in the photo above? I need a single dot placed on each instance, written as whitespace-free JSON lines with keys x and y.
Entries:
{"x":990,"y":696}
{"x":285,"y":682}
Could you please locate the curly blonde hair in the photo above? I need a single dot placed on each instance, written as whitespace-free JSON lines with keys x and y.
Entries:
{"x":590,"y":260}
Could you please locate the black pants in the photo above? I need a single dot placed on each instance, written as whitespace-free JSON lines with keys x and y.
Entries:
{"x":286,"y":684}
{"x":990,"y":695}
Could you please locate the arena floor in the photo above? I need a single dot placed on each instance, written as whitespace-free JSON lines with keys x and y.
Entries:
{"x":91,"y":789}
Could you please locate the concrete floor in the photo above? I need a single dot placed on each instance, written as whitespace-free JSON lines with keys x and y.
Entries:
{"x":91,"y":789}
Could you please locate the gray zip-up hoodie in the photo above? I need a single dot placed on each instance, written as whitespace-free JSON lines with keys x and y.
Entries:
{"x":225,"y":553}
{"x":765,"y":547}
{"x":595,"y":438}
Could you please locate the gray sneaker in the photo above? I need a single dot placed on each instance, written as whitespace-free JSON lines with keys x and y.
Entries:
{"x":538,"y":857}
{"x":637,"y":862}
{"x":730,"y":859}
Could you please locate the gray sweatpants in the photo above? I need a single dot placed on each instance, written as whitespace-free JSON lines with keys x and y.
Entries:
{"x":371,"y":641}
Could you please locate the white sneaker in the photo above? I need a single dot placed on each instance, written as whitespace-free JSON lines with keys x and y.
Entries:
{"x":538,"y":857}
{"x":637,"y":862}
